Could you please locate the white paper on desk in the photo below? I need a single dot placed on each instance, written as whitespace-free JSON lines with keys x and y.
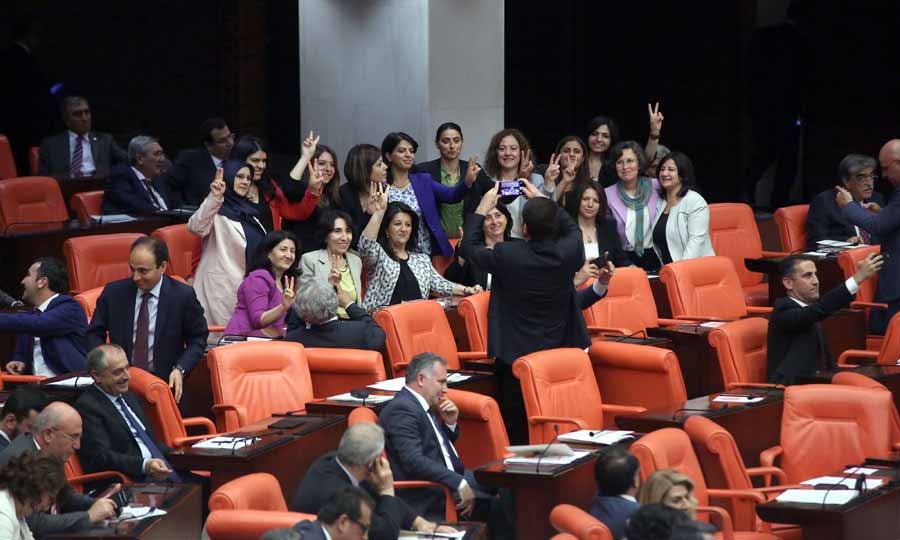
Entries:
{"x":549,"y":461}
{"x":414,"y":535}
{"x":835,"y":243}
{"x":130,"y":513}
{"x":224,"y":442}
{"x":725,"y":398}
{"x":608,"y":436}
{"x":458,"y":377}
{"x":351,"y":399}
{"x":390,"y":385}
{"x":817,"y":496}
{"x":713,"y":324}
{"x":113,"y":218}
{"x":860,"y":470}
{"x":81,"y":380}
{"x":871,"y":483}
{"x":816,"y":254}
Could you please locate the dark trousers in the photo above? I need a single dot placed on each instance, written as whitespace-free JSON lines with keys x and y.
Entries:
{"x":512,"y":405}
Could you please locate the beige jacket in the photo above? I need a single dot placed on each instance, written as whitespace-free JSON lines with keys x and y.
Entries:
{"x":316,"y":265}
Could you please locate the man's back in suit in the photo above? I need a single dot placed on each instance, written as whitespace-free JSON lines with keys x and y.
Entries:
{"x":825,"y":222}
{"x":360,"y":332}
{"x":62,"y":329}
{"x":885,"y":224}
{"x":613,"y":512}
{"x":56,"y":155}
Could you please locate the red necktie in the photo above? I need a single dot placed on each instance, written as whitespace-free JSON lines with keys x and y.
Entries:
{"x":141,"y":355}
{"x":76,"y":157}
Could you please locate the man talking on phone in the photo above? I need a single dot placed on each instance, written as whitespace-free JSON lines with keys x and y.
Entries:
{"x":534,"y":305}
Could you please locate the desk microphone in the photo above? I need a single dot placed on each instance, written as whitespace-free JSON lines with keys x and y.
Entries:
{"x":840,"y":483}
{"x":537,"y":468}
{"x":7,"y":301}
{"x":360,"y":393}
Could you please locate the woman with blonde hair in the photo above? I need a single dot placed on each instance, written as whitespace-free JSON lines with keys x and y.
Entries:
{"x":669,"y":488}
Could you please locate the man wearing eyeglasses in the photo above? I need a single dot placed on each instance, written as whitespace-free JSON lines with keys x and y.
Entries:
{"x":885,"y":224}
{"x":856,"y":173}
{"x":346,"y":516}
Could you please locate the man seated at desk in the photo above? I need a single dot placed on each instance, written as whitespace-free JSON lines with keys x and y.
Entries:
{"x":78,"y":151}
{"x":617,"y":473}
{"x":52,"y":337}
{"x":138,"y":188}
{"x":22,"y":406}
{"x":189,"y":179}
{"x":825,"y":222}
{"x":796,"y":340}
{"x":346,"y":516}
{"x":317,"y":324}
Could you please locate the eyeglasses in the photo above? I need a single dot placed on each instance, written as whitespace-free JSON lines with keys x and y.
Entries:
{"x":862,"y":177}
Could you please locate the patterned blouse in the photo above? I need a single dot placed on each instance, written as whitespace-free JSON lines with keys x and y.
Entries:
{"x":382,"y":273}
{"x":408,"y":197}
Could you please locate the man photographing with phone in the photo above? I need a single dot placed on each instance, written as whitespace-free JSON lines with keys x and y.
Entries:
{"x":533,"y":305}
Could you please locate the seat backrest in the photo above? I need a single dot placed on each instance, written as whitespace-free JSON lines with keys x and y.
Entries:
{"x":159,"y":404}
{"x":34,"y":159}
{"x":440,"y":262}
{"x":628,"y":302}
{"x":86,"y":204}
{"x":31,"y":203}
{"x":7,"y":162}
{"x":791,"y":223}
{"x":474,"y":311}
{"x":637,"y":375}
{"x":558,"y":382}
{"x":851,"y":378}
{"x":670,"y":448}
{"x":259,"y":377}
{"x":413,"y":328}
{"x":184,"y":249}
{"x":734,"y":234}
{"x":479,"y":418}
{"x":704,"y":287}
{"x":825,"y":427}
{"x":575,"y":521}
{"x":848,"y":260}
{"x":256,"y":491}
{"x":88,"y":300}
{"x":741,"y":348}
{"x":362,"y":414}
{"x":94,"y":261}
{"x":336,"y":371}
{"x":890,"y":345}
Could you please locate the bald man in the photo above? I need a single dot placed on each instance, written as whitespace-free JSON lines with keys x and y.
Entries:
{"x":886,"y":224}
{"x":57,"y":432}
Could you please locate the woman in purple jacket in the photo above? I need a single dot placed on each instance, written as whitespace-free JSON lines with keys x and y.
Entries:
{"x":267,"y":293}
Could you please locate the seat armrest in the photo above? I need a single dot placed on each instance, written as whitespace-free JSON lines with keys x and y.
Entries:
{"x":759,"y":309}
{"x":856,"y":353}
{"x":200,"y":421}
{"x":768,"y":473}
{"x":865,"y":306}
{"x":578,"y":423}
{"x":214,"y":329}
{"x":895,"y":446}
{"x":767,"y":456}
{"x":608,"y":330}
{"x":473,"y":356}
{"x":727,"y":527}
{"x":82,"y":479}
{"x":687,"y":319}
{"x":8,"y":377}
{"x":761,"y":386}
{"x":221,"y":410}
{"x":180,"y":443}
{"x":682,"y":319}
{"x":614,"y":409}
{"x":737,"y":494}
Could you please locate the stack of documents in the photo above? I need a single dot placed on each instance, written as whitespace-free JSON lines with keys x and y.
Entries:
{"x":224,"y":442}
{"x":817,"y":496}
{"x":414,"y":535}
{"x":349,"y":398}
{"x":871,"y":483}
{"x":397,"y":384}
{"x":737,"y":398}
{"x":541,"y":464}
{"x":606,"y":437}
{"x":73,"y":382}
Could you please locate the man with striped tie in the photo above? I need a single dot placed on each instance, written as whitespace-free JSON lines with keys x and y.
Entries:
{"x":139,"y":188}
{"x":79,"y":152}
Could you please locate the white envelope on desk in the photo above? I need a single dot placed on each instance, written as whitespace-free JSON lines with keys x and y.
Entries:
{"x":818,"y":496}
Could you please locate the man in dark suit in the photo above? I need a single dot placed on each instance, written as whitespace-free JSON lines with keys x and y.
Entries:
{"x":22,"y":407}
{"x":533,"y":304}
{"x":189,"y":179}
{"x":346,"y":516}
{"x":52,"y":337}
{"x":117,"y":435}
{"x":138,"y":188}
{"x":157,"y":320}
{"x":825,"y":222}
{"x":57,"y":432}
{"x":796,"y":342}
{"x":359,"y":462}
{"x":319,"y":326}
{"x":617,"y":473}
{"x":78,"y":151}
{"x":885,"y":224}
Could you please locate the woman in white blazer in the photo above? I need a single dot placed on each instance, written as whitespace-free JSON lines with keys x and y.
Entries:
{"x":334,"y":232}
{"x":681,"y":228}
{"x":28,"y":484}
{"x":231,"y":231}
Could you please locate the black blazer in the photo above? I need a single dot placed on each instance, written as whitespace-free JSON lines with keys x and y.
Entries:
{"x":482,"y":185}
{"x":533,"y":303}
{"x":360,"y":332}
{"x":793,"y":342}
{"x":62,"y":329}
{"x":180,"y":334}
{"x":55,"y":156}
{"x":415,"y":454}
{"x":189,"y":178}
{"x":125,"y":194}
{"x":350,"y":204}
{"x":325,"y":478}
{"x":825,"y":221}
{"x":106,"y":439}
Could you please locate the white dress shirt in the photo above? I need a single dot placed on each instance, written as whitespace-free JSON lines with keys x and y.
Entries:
{"x":217,"y":163}
{"x":352,"y":478}
{"x":87,"y":157}
{"x":448,"y":461}
{"x":152,"y":305}
{"x":145,"y":452}
{"x":631,"y":227}
{"x":153,"y":193}
{"x":37,"y":356}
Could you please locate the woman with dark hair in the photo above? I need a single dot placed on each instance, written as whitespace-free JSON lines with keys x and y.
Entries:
{"x":334,"y":234}
{"x":633,"y":202}
{"x":363,"y":168}
{"x":508,"y":159}
{"x":497,"y":228}
{"x":449,"y":168}
{"x":603,"y":134}
{"x":230,"y":228}
{"x":396,"y":272}
{"x":323,"y":159}
{"x":681,"y":230}
{"x":266,"y":294}
{"x":568,"y":159}
{"x":268,"y":196}
{"x":421,"y":192}
{"x":587,"y":206}
{"x":29,"y":483}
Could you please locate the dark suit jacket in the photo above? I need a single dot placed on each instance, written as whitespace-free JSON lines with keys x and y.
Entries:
{"x":71,"y":505}
{"x":310,"y":530}
{"x":325,"y":478}
{"x":62,"y":330}
{"x":3,"y":444}
{"x":533,"y":303}
{"x":360,"y":332}
{"x":887,"y":226}
{"x":350,"y":204}
{"x":793,"y":342}
{"x":189,"y":179}
{"x":125,"y":194}
{"x":414,"y":452}
{"x":613,"y":512}
{"x":825,"y":221}
{"x":482,"y":185}
{"x":106,"y":440}
{"x":55,"y":158}
{"x":180,"y":334}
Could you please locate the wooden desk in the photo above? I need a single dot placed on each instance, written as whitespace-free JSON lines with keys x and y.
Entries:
{"x":755,"y":427}
{"x":887,"y":375}
{"x":698,"y":360}
{"x":828,"y":270}
{"x":660,"y":297}
{"x":287,"y":453}
{"x":536,"y":494}
{"x":183,"y":518}
{"x":873,"y":516}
